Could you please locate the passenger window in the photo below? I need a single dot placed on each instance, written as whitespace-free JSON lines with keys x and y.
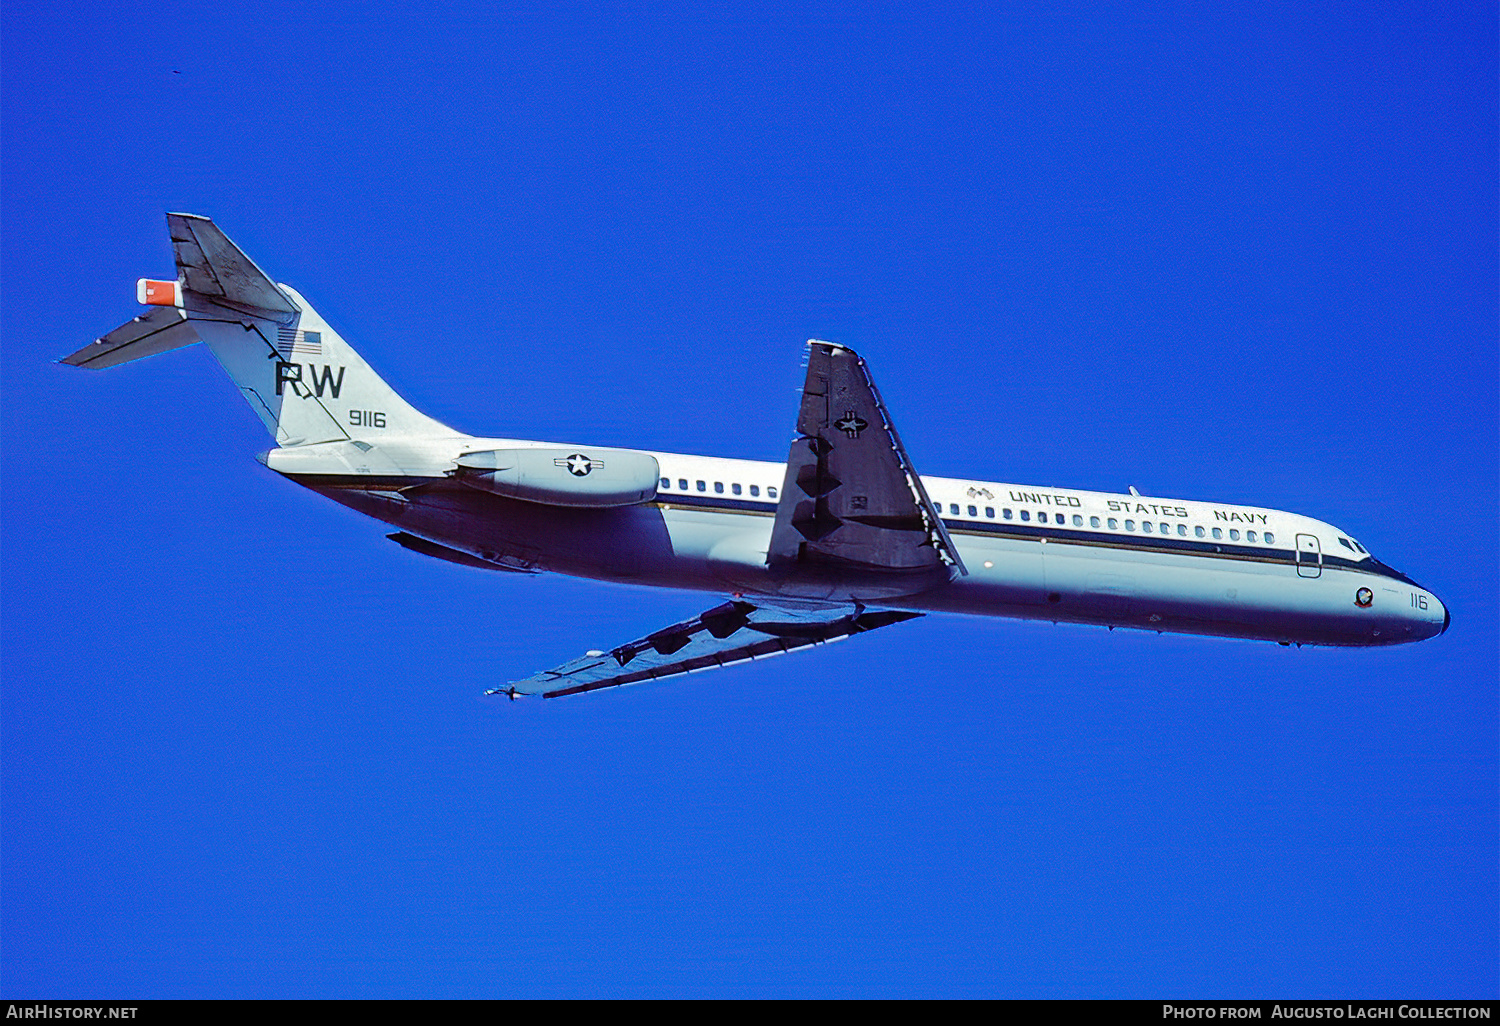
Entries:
{"x":1025,"y":514}
{"x":1234,"y":534}
{"x":770,"y":493}
{"x":719,"y":487}
{"x":735,"y":488}
{"x":1145,"y":526}
{"x":973,"y":511}
{"x":1199,"y":532}
{"x":989,"y":511}
{"x":755,"y":489}
{"x":682,"y":483}
{"x":1218,"y":534}
{"x":1077,"y":520}
{"x":1005,"y":513}
{"x":1182,"y":530}
{"x":1270,"y":538}
{"x":953,"y":508}
{"x":666,"y":482}
{"x":703,"y":486}
{"x":1249,"y":535}
{"x":1165,"y":528}
{"x":1114,"y":525}
{"x":1041,"y":518}
{"x":1130,"y":525}
{"x":1093,"y":521}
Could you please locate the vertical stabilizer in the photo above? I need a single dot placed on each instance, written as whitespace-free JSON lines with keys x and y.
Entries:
{"x":306,"y":383}
{"x":299,"y":375}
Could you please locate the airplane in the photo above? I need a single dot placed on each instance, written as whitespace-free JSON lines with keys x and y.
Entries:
{"x":843,"y":538}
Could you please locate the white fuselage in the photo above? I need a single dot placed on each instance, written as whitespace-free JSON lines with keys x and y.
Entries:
{"x":1056,"y":554}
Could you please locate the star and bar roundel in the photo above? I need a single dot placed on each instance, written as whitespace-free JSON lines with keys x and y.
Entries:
{"x":851,"y":424}
{"x":578,"y":464}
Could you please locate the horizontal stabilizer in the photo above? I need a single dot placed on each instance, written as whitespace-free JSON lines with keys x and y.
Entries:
{"x":160,"y":330}
{"x":212,"y":266}
{"x":734,"y":632}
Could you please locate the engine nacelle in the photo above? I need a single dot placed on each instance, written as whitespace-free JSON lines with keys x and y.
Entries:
{"x":563,"y":477}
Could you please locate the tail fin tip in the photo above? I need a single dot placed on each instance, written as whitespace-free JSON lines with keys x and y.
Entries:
{"x":209,"y":264}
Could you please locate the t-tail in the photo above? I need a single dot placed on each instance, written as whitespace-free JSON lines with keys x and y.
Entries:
{"x":299,"y":375}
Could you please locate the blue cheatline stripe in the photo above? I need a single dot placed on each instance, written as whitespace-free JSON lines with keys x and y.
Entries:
{"x":1159,"y":543}
{"x":1065,"y":535}
{"x":716,"y":503}
{"x":979,"y":528}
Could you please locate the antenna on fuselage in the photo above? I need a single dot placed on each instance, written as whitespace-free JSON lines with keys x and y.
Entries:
{"x":1134,"y":492}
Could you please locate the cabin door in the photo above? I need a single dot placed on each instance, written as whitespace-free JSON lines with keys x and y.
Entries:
{"x":1309,"y":556}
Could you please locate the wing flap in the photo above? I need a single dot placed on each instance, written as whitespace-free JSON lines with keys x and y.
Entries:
{"x":732,"y":633}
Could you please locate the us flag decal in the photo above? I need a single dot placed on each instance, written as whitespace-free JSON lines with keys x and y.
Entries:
{"x":304,"y":343}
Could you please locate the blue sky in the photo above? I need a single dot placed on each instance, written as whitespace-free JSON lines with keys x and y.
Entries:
{"x":1244,"y":257}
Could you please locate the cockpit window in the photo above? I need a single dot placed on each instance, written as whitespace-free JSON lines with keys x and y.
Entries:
{"x":1360,"y":547}
{"x":1345,"y":543}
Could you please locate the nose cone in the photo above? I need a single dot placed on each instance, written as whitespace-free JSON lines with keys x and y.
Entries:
{"x":1426,"y":615}
{"x":1434,"y":624}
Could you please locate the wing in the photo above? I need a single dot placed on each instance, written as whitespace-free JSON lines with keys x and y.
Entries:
{"x":734,"y":632}
{"x":851,"y":501}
